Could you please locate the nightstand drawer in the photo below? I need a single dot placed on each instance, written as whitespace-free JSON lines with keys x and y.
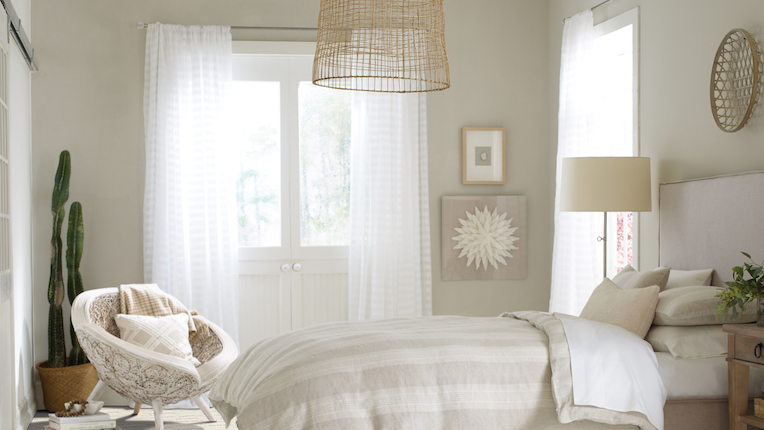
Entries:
{"x":749,"y":349}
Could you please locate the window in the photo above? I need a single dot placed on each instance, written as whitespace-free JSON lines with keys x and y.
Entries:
{"x":324,"y":116}
{"x":615,"y":123}
{"x":294,"y":156}
{"x":293,"y":190}
{"x":257,"y":135}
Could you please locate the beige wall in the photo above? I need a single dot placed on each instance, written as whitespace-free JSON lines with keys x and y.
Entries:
{"x":88,"y":98}
{"x":678,"y":44}
{"x":499,"y":71}
{"x":504,"y":58}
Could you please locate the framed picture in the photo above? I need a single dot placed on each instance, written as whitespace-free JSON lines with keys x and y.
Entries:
{"x":483,"y":238}
{"x":483,"y":155}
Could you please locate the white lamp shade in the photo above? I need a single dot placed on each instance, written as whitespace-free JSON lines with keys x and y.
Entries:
{"x":605,"y":184}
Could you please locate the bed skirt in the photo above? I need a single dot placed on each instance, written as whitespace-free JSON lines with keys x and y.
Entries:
{"x":711,"y":414}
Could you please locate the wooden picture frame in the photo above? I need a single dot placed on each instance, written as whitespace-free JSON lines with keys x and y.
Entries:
{"x":484,"y":159}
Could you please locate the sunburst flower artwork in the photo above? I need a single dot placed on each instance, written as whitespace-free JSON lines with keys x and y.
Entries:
{"x":485,"y":238}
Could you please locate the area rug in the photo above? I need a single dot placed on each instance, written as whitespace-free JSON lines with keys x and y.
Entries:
{"x":174,"y":419}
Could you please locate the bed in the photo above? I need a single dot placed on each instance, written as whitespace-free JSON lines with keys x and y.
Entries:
{"x":515,"y":372}
{"x":707,"y":223}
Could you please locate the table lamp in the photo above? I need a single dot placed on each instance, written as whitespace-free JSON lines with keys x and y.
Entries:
{"x":605,"y":184}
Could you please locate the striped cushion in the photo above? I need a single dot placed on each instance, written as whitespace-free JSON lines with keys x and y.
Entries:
{"x":165,"y":335}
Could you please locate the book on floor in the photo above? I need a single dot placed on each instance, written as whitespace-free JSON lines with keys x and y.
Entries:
{"x":100,"y":421}
{"x":112,"y":428}
{"x":91,"y":425}
{"x":101,"y":416}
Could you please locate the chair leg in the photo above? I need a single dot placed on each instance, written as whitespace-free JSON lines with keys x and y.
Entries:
{"x":203,"y":406}
{"x":137,"y":408}
{"x":97,"y":391}
{"x":158,"y":420}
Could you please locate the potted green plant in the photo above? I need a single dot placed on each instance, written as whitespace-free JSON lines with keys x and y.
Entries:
{"x":62,"y":379}
{"x":743,"y":290}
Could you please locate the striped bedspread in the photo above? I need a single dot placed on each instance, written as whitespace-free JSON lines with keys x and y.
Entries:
{"x":442,"y":372}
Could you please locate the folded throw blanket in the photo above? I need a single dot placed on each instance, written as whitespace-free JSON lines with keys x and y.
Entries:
{"x":148,"y":299}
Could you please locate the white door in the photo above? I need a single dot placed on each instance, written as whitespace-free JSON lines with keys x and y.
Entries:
{"x":7,"y":351}
{"x":293,"y":194}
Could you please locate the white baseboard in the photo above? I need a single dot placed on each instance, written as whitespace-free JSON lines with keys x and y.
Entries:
{"x":27,"y":410}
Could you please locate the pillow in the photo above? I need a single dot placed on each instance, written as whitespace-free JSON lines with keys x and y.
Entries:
{"x":701,"y":341}
{"x":631,"y":309}
{"x":165,"y":335}
{"x":696,"y":305}
{"x":629,"y":278}
{"x":688,"y":278}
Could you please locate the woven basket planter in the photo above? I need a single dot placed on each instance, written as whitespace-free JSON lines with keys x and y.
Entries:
{"x":63,"y":384}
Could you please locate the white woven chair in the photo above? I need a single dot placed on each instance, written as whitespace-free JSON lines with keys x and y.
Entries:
{"x":139,"y":374}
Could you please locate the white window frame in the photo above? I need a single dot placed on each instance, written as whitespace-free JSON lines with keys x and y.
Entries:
{"x":627,"y":18}
{"x":630,"y":17}
{"x":291,"y":248}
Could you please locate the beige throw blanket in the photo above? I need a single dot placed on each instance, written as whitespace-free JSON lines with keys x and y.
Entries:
{"x":439,"y":373}
{"x":148,"y":299}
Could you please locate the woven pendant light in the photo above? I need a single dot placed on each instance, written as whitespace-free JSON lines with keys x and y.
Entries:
{"x":395,"y":46}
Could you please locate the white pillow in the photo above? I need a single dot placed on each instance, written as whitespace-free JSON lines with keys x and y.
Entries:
{"x":702,"y":341}
{"x":689,"y":278}
{"x":629,"y":278}
{"x":631,"y":309}
{"x":696,"y":305}
{"x":165,"y":335}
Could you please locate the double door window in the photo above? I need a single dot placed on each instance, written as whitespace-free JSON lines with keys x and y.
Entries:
{"x":293,"y":195}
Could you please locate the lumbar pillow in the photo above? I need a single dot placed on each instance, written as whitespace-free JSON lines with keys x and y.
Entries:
{"x":629,"y":278}
{"x":165,"y":335}
{"x":631,"y":309}
{"x":688,"y":278}
{"x":701,"y":341}
{"x":696,"y":305}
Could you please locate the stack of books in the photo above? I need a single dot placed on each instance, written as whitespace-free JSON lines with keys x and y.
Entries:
{"x":99,"y":421}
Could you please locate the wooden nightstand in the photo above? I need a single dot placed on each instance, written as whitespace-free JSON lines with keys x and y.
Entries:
{"x":745,"y":349}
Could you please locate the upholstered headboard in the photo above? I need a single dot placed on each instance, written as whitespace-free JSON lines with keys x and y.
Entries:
{"x":705,"y":223}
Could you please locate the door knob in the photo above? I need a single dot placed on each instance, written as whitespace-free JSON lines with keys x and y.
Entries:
{"x":297,"y":267}
{"x":285,"y":267}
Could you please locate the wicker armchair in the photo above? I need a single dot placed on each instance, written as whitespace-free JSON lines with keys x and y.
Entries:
{"x":139,"y":374}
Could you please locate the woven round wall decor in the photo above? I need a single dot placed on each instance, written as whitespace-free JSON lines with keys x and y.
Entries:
{"x":735,"y":80}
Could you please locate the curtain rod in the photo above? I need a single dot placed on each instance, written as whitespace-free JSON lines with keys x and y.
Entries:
{"x":19,"y":35}
{"x":592,"y":8}
{"x":142,"y":25}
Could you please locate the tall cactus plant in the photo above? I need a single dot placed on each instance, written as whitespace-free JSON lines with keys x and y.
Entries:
{"x":75,"y":236}
{"x":56,"y":342}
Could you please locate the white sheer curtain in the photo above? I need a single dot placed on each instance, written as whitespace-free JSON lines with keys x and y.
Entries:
{"x":189,"y":226}
{"x":389,"y":263}
{"x":576,"y":256}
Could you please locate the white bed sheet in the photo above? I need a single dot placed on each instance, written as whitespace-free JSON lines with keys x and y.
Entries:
{"x":701,"y":378}
{"x":614,"y":369}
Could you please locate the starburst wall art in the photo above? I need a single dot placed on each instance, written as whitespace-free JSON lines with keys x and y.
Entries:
{"x":483,"y":237}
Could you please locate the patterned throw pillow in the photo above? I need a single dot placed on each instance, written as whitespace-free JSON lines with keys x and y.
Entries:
{"x":165,"y":335}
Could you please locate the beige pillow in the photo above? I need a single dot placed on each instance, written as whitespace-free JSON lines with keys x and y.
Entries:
{"x":165,"y":335}
{"x":696,"y":305}
{"x":629,"y":278}
{"x":688,"y":278}
{"x":631,"y":309}
{"x":702,"y":341}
